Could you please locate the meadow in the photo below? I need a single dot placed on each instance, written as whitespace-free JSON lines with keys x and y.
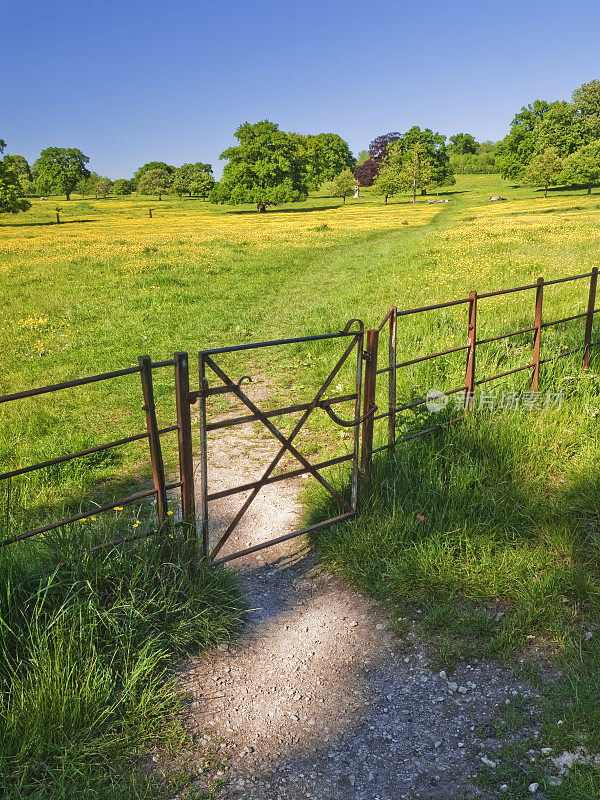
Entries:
{"x":509,"y":500}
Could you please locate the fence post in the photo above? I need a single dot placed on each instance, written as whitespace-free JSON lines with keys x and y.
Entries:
{"x":471,"y":342}
{"x":590,"y":317}
{"x":156,"y":459}
{"x":392,"y":380}
{"x":203,"y":456}
{"x":184,"y":434}
{"x":370,"y":356}
{"x":537,"y":334}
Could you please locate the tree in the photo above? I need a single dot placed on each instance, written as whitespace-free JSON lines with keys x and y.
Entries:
{"x":586,"y":102}
{"x":379,"y":146}
{"x":202,"y":184}
{"x":559,"y":128}
{"x":104,"y":186}
{"x":518,"y":147}
{"x":583,"y":166}
{"x":433,"y":152}
{"x":122,"y":187}
{"x":18,"y":164}
{"x":328,"y":155}
{"x":59,"y":169}
{"x":265,"y":168}
{"x":151,"y":165}
{"x":388,"y":182}
{"x":433,"y":144}
{"x":362,"y":157}
{"x":417,"y":170}
{"x":366,"y":172}
{"x":186,"y":174}
{"x":91,"y":184}
{"x":154,"y":181}
{"x":10,"y":188}
{"x":342,"y":185}
{"x":544,"y":170}
{"x":462,"y":144}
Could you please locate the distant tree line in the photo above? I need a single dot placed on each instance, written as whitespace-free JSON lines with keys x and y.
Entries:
{"x":548,"y":144}
{"x":555,"y":143}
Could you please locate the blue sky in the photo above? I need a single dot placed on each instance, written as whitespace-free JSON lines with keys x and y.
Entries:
{"x":129,"y":82}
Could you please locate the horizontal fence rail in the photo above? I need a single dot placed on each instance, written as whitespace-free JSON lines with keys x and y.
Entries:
{"x":366,"y":413}
{"x":471,"y":348}
{"x":152,"y":435}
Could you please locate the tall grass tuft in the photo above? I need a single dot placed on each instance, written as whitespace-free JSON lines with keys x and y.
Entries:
{"x":85,"y":652}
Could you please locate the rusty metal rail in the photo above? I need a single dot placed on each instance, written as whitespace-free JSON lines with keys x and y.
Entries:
{"x":471,"y":382}
{"x":152,"y":435}
{"x":364,"y":345}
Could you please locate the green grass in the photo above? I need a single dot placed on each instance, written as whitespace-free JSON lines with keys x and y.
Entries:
{"x":85,"y":654}
{"x":509,"y":499}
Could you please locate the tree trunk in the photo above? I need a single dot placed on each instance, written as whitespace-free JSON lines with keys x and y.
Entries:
{"x":68,"y":195}
{"x":414,"y":190}
{"x":589,"y":191}
{"x":160,"y":196}
{"x":423,"y":192}
{"x":385,"y":200}
{"x":545,"y":191}
{"x":57,"y":217}
{"x":261,"y":208}
{"x":344,"y":198}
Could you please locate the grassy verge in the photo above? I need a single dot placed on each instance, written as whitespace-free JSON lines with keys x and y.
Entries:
{"x":491,"y":529}
{"x":85,"y":653}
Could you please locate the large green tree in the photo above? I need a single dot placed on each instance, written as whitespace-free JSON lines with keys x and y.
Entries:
{"x":187,"y":174}
{"x":59,"y":169}
{"x":328,"y":155}
{"x":150,"y":165}
{"x":586,"y":102}
{"x":416,"y":168}
{"x":544,"y":169}
{"x":154,"y":181}
{"x":462,"y":144}
{"x":266,"y":168}
{"x":342,"y":185}
{"x":583,"y":166}
{"x":432,"y":145}
{"x":122,"y":187}
{"x":10,"y":187}
{"x":518,"y":147}
{"x":388,"y":181}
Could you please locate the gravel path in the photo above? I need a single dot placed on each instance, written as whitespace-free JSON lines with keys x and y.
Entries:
{"x":318,"y":698}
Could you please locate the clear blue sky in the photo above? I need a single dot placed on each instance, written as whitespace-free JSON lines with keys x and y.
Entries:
{"x":130,"y":81}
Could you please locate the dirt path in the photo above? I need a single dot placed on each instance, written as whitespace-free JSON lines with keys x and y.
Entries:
{"x":318,"y":698}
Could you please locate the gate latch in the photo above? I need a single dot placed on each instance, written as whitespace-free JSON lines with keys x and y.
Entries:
{"x":326,"y":406}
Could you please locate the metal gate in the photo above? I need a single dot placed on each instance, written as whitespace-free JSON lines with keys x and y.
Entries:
{"x":215,"y":380}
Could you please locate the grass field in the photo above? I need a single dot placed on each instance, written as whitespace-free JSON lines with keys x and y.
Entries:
{"x":509,"y":500}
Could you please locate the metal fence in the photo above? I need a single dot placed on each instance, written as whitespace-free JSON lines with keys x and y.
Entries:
{"x":365,"y":345}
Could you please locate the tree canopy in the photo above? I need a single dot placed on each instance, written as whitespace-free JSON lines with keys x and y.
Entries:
{"x":10,"y":187}
{"x":328,"y":155}
{"x":544,"y":170}
{"x":583,"y":166}
{"x":188,"y":176}
{"x":265,"y":168}
{"x":59,"y":169}
{"x":342,"y":185}
{"x":151,"y":165}
{"x":463,"y":144}
{"x":366,"y":172}
{"x":154,"y":181}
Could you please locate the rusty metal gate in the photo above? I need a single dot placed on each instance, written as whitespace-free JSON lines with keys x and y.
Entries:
{"x":215,"y":380}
